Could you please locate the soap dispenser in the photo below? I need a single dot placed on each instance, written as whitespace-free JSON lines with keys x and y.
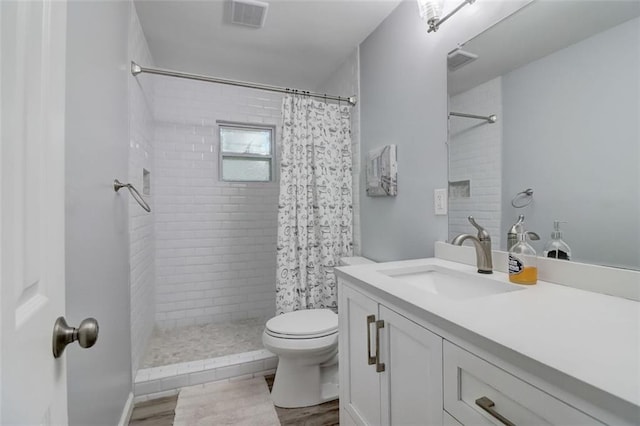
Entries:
{"x":512,"y":235}
{"x":523,"y":265}
{"x":556,"y":248}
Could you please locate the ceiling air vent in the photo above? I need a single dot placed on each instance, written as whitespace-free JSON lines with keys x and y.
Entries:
{"x":459,"y":58}
{"x":250,"y":13}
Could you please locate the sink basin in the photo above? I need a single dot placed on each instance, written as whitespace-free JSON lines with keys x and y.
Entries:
{"x":448,"y":283}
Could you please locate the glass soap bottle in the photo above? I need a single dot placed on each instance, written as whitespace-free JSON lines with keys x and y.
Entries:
{"x":523,"y":267}
{"x":557,"y":248}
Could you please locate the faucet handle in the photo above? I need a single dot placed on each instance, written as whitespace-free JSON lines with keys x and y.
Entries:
{"x":483,"y":235}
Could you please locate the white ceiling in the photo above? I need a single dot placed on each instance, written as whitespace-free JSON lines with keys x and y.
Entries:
{"x":300,"y":45}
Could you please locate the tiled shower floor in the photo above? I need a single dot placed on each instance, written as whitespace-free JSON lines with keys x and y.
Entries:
{"x":198,"y":342}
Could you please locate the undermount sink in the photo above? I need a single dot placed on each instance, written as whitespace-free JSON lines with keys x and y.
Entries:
{"x":449,"y":283}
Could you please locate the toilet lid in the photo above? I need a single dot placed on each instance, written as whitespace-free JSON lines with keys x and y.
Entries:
{"x":308,"y":322}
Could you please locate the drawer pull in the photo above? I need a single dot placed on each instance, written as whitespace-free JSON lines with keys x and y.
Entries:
{"x":370,"y":320}
{"x":379,"y":365}
{"x":487,"y":405}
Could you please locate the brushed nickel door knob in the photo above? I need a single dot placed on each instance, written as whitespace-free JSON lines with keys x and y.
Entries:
{"x":86,"y":334}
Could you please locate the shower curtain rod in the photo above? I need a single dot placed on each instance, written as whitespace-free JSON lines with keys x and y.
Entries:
{"x":490,"y":119}
{"x":137,"y":69}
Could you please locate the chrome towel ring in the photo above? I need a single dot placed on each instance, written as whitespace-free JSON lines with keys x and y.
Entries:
{"x":134,"y":193}
{"x":522,"y":198}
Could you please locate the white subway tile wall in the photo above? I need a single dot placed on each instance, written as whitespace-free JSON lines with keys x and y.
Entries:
{"x":215,"y":241}
{"x":475,"y":154}
{"x":141,"y":223}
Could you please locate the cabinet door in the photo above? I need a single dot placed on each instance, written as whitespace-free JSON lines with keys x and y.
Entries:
{"x":359,"y":382}
{"x":411,"y":392}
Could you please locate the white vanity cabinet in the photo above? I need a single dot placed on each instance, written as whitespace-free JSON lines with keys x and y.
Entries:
{"x":390,"y":367}
{"x":400,"y":371}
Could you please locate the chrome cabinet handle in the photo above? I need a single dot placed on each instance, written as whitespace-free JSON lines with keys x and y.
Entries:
{"x":370,"y":320}
{"x":487,"y":405}
{"x":86,"y":334}
{"x":379,"y":365}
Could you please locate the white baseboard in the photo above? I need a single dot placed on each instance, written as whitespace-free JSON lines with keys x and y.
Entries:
{"x":126,"y":412}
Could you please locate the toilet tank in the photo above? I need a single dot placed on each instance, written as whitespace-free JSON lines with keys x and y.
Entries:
{"x":355,"y":260}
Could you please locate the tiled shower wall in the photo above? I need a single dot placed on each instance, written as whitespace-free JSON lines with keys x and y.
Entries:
{"x":215,"y":241}
{"x":141,"y":223}
{"x":475,"y":154}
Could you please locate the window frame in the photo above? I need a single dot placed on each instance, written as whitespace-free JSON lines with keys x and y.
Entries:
{"x":250,"y":126}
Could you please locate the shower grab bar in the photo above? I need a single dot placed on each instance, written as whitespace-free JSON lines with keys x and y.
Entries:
{"x":134,"y":193}
{"x":489,"y":119}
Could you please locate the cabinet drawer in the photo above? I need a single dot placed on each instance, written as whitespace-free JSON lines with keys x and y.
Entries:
{"x":467,"y":378}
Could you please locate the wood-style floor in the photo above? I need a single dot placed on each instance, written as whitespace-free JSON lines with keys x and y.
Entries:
{"x":156,"y":412}
{"x":160,"y":412}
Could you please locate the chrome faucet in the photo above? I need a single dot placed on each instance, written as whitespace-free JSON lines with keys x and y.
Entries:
{"x":483,"y":247}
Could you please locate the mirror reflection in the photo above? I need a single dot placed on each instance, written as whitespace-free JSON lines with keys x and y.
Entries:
{"x":562,"y":79}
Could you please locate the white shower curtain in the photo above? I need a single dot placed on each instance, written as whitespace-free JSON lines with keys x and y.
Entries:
{"x":315,"y":210}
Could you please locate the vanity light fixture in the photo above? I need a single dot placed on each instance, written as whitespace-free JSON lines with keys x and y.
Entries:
{"x":430,"y":11}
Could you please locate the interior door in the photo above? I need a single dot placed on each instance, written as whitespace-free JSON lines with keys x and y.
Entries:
{"x":32,"y":197}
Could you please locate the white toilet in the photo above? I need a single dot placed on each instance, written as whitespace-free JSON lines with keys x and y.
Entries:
{"x":306,"y":343}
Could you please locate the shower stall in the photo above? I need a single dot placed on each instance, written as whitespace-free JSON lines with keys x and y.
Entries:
{"x":203,"y":261}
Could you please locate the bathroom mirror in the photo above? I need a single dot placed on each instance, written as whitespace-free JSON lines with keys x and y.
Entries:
{"x":563,"y":79}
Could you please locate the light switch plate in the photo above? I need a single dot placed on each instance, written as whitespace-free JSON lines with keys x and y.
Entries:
{"x":440,"y":201}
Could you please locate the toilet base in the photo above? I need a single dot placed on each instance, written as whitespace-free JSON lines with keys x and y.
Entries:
{"x":299,"y":385}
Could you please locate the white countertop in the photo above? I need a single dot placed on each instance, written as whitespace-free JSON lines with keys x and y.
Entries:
{"x":592,"y":337}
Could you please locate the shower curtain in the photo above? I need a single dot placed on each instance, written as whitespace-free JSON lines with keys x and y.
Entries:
{"x":315,"y":203}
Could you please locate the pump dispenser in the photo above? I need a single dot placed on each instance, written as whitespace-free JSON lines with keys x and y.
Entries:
{"x":557,"y":248}
{"x":523,"y":266}
{"x":512,"y":235}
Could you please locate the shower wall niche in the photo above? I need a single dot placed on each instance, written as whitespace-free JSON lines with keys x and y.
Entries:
{"x":215,"y":240}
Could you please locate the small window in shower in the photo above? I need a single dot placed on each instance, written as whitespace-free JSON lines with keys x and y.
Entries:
{"x":246,"y":152}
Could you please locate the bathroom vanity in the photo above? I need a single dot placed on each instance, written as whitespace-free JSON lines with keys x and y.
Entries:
{"x":431,"y":342}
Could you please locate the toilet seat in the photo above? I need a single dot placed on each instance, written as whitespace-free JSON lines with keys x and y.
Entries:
{"x":303,"y":324}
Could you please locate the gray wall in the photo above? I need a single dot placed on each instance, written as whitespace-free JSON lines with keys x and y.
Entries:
{"x":344,"y":81}
{"x":97,"y":266}
{"x":571,"y":133}
{"x":404,"y":102}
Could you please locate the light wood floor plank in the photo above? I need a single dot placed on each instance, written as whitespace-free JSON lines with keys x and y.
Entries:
{"x":157,"y":412}
{"x":161,"y":412}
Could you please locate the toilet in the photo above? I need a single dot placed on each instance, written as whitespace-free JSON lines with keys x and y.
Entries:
{"x":306,"y":343}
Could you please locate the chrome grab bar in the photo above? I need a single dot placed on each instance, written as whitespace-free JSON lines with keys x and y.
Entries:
{"x":134,"y":193}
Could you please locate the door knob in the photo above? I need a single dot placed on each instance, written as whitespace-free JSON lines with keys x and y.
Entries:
{"x":86,"y":334}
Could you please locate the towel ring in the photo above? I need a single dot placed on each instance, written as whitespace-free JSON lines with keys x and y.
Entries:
{"x":522,"y":198}
{"x":134,"y":193}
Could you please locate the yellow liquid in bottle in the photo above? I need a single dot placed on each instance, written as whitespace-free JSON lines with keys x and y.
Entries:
{"x":528,"y":275}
